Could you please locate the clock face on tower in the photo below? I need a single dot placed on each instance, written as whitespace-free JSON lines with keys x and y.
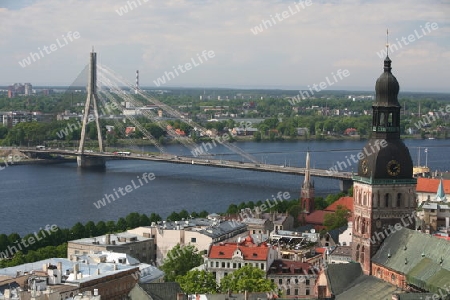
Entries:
{"x":393,"y":167}
{"x":364,"y":167}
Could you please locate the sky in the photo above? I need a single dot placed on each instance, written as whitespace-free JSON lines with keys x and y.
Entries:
{"x":298,"y":44}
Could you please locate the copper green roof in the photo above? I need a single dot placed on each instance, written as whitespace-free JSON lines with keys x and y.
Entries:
{"x":424,"y":259}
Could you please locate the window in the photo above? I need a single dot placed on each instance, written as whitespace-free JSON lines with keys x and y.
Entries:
{"x":280,"y":281}
{"x":211,"y":264}
{"x":254,"y":231}
{"x":228,"y":265}
{"x":307,"y":281}
{"x":234,"y":265}
{"x":193,"y":240}
{"x":217,"y":264}
{"x":386,"y":200}
{"x":296,"y":280}
{"x":223,"y":265}
{"x":393,"y":278}
{"x":288,"y":292}
{"x":399,"y":200}
{"x":296,"y":292}
{"x":307,"y":292}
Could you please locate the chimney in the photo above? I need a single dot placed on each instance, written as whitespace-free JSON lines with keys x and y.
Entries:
{"x":107,"y":239}
{"x":97,"y":271}
{"x":45,"y":268}
{"x":76,"y":268}
{"x":59,"y":266}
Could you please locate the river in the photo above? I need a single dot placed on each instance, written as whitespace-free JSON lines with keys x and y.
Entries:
{"x":36,"y":195}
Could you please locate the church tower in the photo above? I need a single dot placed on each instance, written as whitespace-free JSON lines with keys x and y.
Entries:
{"x":307,"y":193}
{"x":384,"y":190}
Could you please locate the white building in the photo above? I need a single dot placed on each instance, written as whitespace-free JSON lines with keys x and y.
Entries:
{"x":226,"y":258}
{"x":199,"y":232}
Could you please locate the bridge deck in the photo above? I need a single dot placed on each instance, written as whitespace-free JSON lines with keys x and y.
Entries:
{"x":202,"y":162}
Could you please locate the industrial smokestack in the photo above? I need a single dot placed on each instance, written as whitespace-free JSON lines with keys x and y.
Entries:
{"x":137,"y":82}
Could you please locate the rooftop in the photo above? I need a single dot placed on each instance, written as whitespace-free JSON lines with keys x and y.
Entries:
{"x":88,"y":271}
{"x":421,"y":257}
{"x":246,"y":249}
{"x":289,"y":267}
{"x":121,"y":238}
{"x":430,"y":185}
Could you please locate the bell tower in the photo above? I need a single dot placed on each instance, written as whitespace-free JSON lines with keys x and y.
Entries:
{"x":307,"y":192}
{"x":384,"y":190}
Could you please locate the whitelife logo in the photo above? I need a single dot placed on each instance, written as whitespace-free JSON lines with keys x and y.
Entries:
{"x":35,"y":56}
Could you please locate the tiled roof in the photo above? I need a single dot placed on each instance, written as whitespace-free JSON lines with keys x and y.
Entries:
{"x":162,"y":291}
{"x":430,"y":185}
{"x":423,"y":258}
{"x":344,"y":201}
{"x":368,"y":287}
{"x":225,"y":251}
{"x":281,"y":266}
{"x":316,"y":217}
{"x":342,"y":251}
{"x":341,"y":276}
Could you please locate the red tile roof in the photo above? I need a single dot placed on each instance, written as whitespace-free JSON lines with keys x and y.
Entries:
{"x":316,"y":217}
{"x":320,"y":250}
{"x":250,"y":252}
{"x":344,"y":201}
{"x":289,"y":266}
{"x":430,"y":185}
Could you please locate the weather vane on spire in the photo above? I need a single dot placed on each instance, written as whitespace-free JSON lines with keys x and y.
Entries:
{"x":387,"y":42}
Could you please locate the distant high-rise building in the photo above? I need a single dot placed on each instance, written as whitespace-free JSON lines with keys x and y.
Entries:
{"x":28,"y":90}
{"x":19,"y":89}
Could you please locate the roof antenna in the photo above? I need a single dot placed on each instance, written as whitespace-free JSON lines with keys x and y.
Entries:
{"x":387,"y":42}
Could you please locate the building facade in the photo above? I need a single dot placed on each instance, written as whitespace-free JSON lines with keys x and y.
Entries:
{"x":226,"y":258}
{"x":139,"y":247}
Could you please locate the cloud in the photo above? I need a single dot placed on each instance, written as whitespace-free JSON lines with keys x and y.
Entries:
{"x":156,"y":35}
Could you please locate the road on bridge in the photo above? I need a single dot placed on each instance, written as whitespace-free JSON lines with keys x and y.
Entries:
{"x":168,"y":158}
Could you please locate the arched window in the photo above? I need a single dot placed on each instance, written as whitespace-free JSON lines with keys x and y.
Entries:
{"x":357,"y":253}
{"x":374,"y":201}
{"x":361,"y":259}
{"x":399,"y":199}
{"x":381,"y":119}
{"x":389,"y":119}
{"x":386,"y":200}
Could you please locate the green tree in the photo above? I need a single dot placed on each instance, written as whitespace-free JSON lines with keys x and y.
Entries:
{"x":337,"y":219}
{"x":247,"y":278}
{"x":196,"y":281}
{"x":257,"y":136}
{"x":180,"y":260}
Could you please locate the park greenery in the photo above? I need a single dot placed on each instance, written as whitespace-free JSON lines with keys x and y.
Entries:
{"x":247,"y":278}
{"x":179,"y":260}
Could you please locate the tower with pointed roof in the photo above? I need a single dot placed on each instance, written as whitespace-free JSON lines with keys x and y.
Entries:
{"x":384,"y":188}
{"x":307,"y":192}
{"x":440,"y":194}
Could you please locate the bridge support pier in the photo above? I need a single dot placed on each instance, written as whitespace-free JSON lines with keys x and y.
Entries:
{"x":89,"y":162}
{"x":345,"y":184}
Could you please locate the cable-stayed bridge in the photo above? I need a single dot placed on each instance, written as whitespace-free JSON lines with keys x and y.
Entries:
{"x":107,"y":94}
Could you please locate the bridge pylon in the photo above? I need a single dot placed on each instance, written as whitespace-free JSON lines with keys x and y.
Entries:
{"x":84,"y":161}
